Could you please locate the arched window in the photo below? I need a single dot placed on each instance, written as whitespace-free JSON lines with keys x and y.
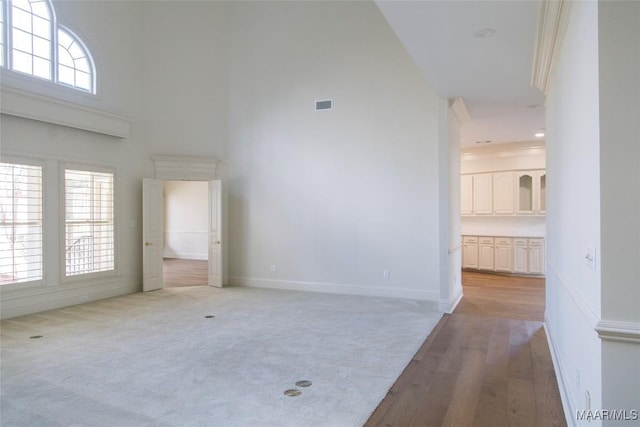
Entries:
{"x":33,"y":43}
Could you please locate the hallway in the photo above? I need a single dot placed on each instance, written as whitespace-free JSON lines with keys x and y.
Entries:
{"x":486,"y":364}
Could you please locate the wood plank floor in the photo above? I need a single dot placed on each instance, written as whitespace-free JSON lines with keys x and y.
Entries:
{"x":184,"y":272}
{"x":486,"y":364}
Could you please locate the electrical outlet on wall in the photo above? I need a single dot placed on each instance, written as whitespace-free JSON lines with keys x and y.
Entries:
{"x":274,"y":268}
{"x":590,"y":258}
{"x":386,"y":274}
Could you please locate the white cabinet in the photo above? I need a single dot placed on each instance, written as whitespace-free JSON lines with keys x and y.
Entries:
{"x":531,"y":192}
{"x":519,"y":255}
{"x":536,"y":256}
{"x":482,"y":194}
{"x":485,"y":253}
{"x":503,"y":254}
{"x":503,"y":193}
{"x":470,"y":252}
{"x":466,"y":194}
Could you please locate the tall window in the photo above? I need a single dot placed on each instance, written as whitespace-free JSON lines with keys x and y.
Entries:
{"x":89,"y":222}
{"x":20,"y":223}
{"x":33,"y":43}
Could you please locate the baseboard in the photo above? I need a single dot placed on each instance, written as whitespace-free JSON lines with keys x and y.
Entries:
{"x":334,"y":288}
{"x":568,"y":405}
{"x":448,"y":306}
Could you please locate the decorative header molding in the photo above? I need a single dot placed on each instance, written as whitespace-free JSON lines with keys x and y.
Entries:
{"x":618,"y":331}
{"x":22,"y":103}
{"x":185,"y":168}
{"x":553,"y":18}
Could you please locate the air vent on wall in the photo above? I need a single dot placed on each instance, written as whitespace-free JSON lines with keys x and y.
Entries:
{"x":326,"y":104}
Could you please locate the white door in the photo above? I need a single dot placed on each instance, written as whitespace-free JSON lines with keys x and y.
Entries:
{"x":503,"y":256}
{"x":152,"y":234}
{"x":215,"y":233}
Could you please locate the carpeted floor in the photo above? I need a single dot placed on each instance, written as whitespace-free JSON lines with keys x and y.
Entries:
{"x":155,"y":359}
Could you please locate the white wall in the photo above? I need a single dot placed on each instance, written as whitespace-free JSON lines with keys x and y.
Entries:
{"x":185,"y":66}
{"x":110,"y":30}
{"x":186,"y":209}
{"x":619,"y":74}
{"x":332,"y":198}
{"x":594,"y":201}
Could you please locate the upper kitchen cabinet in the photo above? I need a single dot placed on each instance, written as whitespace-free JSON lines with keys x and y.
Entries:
{"x":466,"y":194}
{"x":483,"y":194}
{"x":531,"y":192}
{"x":503,"y":193}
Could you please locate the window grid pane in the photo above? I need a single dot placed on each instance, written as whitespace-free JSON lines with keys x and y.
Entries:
{"x":89,"y":225}
{"x":20,"y":223}
{"x":72,"y":54}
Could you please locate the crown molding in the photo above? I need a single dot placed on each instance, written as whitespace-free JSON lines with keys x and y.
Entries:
{"x":553,"y":19}
{"x":459,"y":111}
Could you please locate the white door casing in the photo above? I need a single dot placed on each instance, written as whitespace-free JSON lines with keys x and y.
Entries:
{"x":215,"y":233}
{"x":152,"y":234}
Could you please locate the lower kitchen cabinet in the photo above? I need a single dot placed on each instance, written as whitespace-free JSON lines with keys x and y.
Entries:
{"x":518,"y":255}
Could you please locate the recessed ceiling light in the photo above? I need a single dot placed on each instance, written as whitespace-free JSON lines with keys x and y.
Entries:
{"x":539,"y":134}
{"x":483,"y":142}
{"x":484,"y":33}
{"x":533,"y":106}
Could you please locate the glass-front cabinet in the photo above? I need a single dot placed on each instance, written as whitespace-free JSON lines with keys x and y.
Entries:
{"x":531,"y":192}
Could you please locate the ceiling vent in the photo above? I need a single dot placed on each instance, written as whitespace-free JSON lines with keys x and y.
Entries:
{"x":326,"y":104}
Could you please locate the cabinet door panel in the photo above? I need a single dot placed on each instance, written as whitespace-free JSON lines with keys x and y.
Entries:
{"x":466,"y":195}
{"x":503,"y":258}
{"x":470,"y":255}
{"x":520,"y":259}
{"x":486,"y":257}
{"x":482,"y":194}
{"x":503,"y":193}
{"x":536,"y":260}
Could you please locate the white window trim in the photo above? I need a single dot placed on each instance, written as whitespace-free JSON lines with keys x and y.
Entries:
{"x":97,"y":276}
{"x":33,"y":283}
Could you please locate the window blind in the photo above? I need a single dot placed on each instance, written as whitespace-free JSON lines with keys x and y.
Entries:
{"x":20,"y":223}
{"x":89,"y":222}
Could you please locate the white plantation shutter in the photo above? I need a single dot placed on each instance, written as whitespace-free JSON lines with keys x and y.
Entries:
{"x":20,"y":223}
{"x":89,"y":222}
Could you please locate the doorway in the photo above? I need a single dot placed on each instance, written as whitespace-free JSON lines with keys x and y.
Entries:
{"x":186,"y":220}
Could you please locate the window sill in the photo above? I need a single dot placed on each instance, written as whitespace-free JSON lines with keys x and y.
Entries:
{"x":26,"y":103}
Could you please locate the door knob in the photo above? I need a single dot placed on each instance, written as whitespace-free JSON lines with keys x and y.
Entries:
{"x":147,"y":244}
{"x":217,"y":242}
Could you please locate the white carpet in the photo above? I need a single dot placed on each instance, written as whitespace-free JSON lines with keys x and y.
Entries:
{"x":154,"y":359}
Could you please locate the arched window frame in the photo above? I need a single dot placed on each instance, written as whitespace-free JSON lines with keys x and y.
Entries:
{"x":6,"y":32}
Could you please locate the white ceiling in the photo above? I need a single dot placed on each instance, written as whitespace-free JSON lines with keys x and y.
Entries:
{"x":492,"y":75}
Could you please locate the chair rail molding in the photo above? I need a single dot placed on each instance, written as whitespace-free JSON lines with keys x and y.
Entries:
{"x":185,"y":168}
{"x":553,"y":19}
{"x":610,"y":330}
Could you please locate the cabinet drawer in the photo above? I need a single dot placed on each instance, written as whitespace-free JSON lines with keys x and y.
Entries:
{"x":503,"y":240}
{"x":536,"y":242}
{"x":486,"y":240}
{"x":520,"y":241}
{"x":470,"y":239}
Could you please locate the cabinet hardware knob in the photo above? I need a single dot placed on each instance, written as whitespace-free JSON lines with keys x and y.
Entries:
{"x":147,"y":244}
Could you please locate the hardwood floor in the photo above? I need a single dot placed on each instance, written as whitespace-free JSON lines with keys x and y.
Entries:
{"x":184,"y":272}
{"x":486,"y":364}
